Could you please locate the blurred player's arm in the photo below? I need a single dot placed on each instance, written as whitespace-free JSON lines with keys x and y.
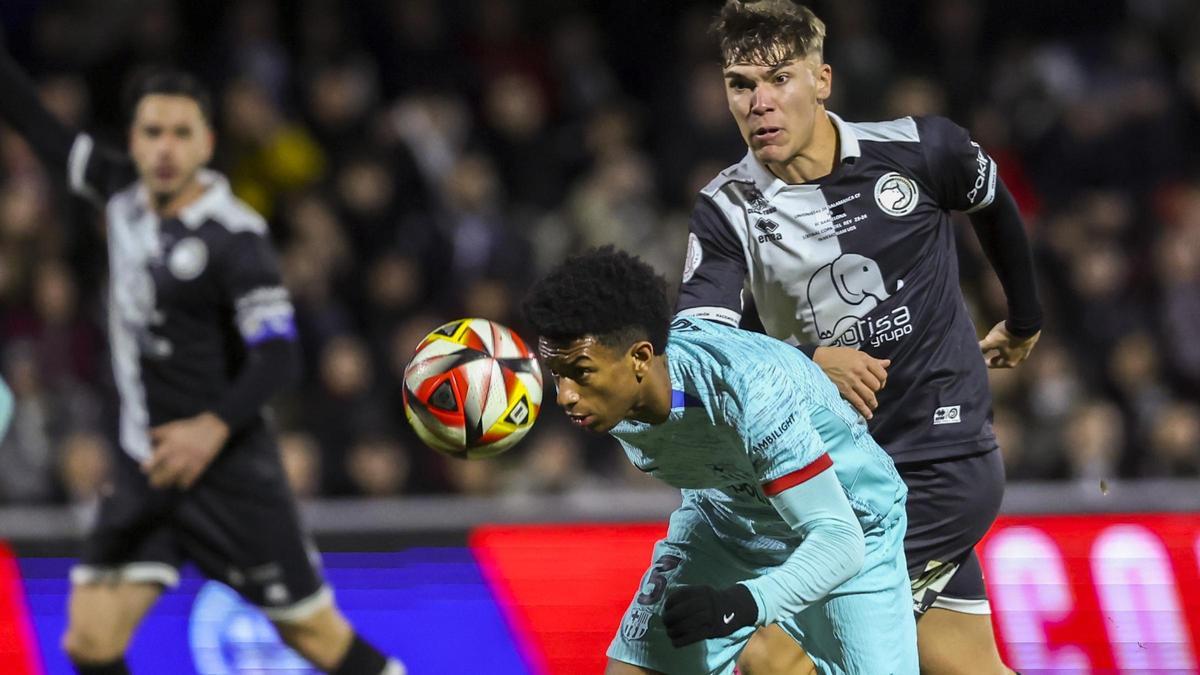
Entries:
{"x":965,"y":178}
{"x":714,"y":269}
{"x":90,"y":171}
{"x":831,"y":551}
{"x":184,"y":448}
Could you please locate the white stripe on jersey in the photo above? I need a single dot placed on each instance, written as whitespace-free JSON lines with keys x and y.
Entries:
{"x":132,"y":243}
{"x":901,"y":130}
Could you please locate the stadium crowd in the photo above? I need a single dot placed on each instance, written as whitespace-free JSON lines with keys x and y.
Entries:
{"x":421,"y":160}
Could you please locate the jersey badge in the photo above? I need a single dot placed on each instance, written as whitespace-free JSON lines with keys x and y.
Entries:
{"x":896,"y":194}
{"x":188,"y":258}
{"x":756,"y":203}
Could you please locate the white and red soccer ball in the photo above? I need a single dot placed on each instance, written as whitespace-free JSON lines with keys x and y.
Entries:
{"x":473,"y":389}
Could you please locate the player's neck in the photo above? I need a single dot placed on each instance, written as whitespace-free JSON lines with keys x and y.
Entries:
{"x":815,"y":160}
{"x":169,"y":205}
{"x":654,"y":399}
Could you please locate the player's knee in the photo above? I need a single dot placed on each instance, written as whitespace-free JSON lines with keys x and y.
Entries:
{"x":321,"y":637}
{"x":93,"y":644}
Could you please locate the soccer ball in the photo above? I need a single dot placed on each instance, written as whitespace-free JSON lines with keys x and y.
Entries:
{"x":473,"y":389}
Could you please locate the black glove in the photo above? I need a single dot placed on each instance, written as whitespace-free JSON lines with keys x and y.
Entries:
{"x":694,"y":613}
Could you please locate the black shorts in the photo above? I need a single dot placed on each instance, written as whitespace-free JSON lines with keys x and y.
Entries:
{"x":238,"y":524}
{"x":951,"y":504}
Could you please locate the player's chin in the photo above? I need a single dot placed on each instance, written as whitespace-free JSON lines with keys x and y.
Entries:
{"x":770,"y":153}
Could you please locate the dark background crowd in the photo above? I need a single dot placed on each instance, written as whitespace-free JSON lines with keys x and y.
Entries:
{"x":422,"y":160}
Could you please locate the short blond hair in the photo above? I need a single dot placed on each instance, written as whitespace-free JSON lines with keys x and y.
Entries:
{"x":768,"y":32}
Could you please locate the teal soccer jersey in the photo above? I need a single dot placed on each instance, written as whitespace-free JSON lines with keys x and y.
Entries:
{"x":752,"y":418}
{"x":744,"y":426}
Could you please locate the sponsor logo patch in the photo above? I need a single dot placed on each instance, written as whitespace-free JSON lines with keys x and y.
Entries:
{"x":948,"y":414}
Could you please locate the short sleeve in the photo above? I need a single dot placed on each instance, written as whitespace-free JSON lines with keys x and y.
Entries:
{"x":961,"y":174}
{"x":250,"y":277}
{"x":714,"y":270}
{"x":770,"y":414}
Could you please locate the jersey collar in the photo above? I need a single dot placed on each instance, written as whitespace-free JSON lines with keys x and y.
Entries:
{"x":217,"y":192}
{"x":769,"y":184}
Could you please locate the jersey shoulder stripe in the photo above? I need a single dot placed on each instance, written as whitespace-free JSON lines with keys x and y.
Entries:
{"x":736,"y":173}
{"x":902,"y":130}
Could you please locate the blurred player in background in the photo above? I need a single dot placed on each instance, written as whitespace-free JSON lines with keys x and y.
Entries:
{"x":792,"y":515}
{"x":202,"y":334}
{"x":844,"y":233}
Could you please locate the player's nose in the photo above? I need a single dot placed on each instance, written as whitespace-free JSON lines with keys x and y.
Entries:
{"x":567,"y":396}
{"x":762,"y":101}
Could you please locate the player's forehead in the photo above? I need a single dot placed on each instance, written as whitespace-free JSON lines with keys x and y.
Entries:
{"x":762,"y":70}
{"x":565,"y":353}
{"x":167,"y":109}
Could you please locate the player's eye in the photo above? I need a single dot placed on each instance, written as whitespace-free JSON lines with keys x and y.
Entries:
{"x":184,"y":132}
{"x":781,"y":78}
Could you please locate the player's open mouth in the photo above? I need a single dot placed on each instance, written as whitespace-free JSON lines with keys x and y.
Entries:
{"x":581,"y":420}
{"x":767,"y":134}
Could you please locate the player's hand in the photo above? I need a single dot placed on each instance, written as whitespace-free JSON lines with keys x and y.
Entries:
{"x":183,"y":449}
{"x":695,"y":613}
{"x":1002,"y":349}
{"x":858,"y":375}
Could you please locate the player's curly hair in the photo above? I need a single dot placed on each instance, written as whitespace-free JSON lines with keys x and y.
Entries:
{"x":604,"y":292}
{"x":767,"y":32}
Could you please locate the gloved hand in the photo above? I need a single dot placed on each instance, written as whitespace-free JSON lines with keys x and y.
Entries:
{"x":694,"y":613}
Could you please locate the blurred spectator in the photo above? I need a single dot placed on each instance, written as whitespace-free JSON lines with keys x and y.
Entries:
{"x":270,"y":157}
{"x":1093,"y":439}
{"x":342,"y":407}
{"x":1174,"y":442}
{"x":301,"y":462}
{"x":26,"y":452}
{"x":85,"y":471}
{"x":377,"y":467}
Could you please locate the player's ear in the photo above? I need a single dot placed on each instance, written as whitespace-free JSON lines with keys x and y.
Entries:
{"x":642,"y":355}
{"x":824,"y":80}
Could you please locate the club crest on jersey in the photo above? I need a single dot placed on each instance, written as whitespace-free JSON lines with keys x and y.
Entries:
{"x":768,"y":227}
{"x":896,"y":194}
{"x":695,"y":254}
{"x":756,"y":203}
{"x":636,"y":623}
{"x":188,"y":259}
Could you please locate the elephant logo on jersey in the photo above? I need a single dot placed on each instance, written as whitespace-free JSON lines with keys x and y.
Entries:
{"x":844,"y":291}
{"x":895,"y":194}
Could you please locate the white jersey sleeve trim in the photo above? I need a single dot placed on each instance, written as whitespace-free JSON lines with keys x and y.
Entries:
{"x":719,"y":314}
{"x":77,"y":162}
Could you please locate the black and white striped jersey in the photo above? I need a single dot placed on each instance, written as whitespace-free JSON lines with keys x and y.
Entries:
{"x":187,"y":295}
{"x":864,"y":257}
